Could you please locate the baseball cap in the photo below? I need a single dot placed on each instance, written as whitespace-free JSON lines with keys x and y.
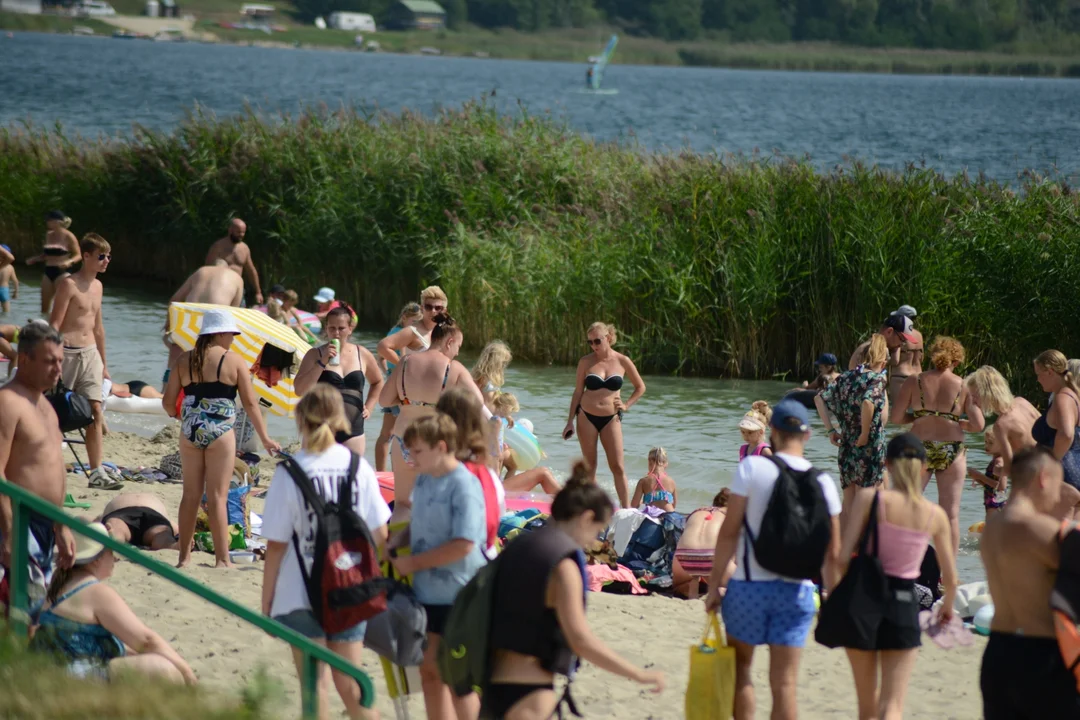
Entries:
{"x":826,"y":359}
{"x":905,"y":445}
{"x":790,"y":416}
{"x":325,"y":295}
{"x":277,"y":288}
{"x":901,"y":324}
{"x":907,"y":311}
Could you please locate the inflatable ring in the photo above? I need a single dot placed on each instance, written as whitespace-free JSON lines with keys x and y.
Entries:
{"x":524,"y":445}
{"x":803,"y":397}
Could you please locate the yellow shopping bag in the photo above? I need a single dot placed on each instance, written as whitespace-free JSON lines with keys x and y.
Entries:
{"x":710,"y":694}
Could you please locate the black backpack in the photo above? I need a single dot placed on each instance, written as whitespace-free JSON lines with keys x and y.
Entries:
{"x":345,"y":586}
{"x":73,"y":410}
{"x":796,"y":529}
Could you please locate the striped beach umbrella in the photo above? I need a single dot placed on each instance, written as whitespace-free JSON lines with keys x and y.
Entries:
{"x":256,"y":330}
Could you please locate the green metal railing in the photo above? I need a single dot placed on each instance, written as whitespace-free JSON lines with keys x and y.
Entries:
{"x":24,"y":502}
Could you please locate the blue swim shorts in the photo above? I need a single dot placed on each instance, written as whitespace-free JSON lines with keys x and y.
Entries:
{"x":771,"y":612}
{"x":304,"y":622}
{"x":5,"y":293}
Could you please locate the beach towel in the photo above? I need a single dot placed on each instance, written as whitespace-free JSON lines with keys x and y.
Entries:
{"x":601,"y":577}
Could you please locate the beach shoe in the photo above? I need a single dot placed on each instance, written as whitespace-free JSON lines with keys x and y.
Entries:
{"x":101,"y":480}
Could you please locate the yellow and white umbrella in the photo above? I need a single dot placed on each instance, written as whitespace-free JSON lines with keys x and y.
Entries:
{"x":256,"y":330}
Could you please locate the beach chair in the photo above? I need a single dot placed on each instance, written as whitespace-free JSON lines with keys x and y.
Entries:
{"x":74,"y":414}
{"x":400,"y":681}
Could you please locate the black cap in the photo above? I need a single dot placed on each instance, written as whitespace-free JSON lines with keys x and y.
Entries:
{"x":906,"y":445}
{"x":826,"y":359}
{"x":55,"y":215}
{"x":277,"y":288}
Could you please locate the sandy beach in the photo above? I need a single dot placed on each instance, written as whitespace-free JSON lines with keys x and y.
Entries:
{"x":655,"y":631}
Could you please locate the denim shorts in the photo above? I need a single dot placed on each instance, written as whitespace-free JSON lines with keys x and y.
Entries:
{"x":394,"y":410}
{"x":304,"y":622}
{"x":772,"y":612}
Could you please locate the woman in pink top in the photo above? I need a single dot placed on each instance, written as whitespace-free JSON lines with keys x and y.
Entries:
{"x":907,"y":522}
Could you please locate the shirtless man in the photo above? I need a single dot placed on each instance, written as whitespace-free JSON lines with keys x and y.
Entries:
{"x":236,"y":253}
{"x":899,"y":333}
{"x":911,"y":355}
{"x":77,"y":314}
{"x":214,"y":283}
{"x":1023,"y":675}
{"x":140,"y":519}
{"x":30,"y":456}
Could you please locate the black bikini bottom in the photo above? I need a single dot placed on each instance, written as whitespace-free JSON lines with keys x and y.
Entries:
{"x":600,"y":421}
{"x":499,"y":698}
{"x":140,"y":520}
{"x":52,"y":272}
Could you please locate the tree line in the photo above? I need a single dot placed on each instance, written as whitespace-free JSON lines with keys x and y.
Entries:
{"x":948,"y":24}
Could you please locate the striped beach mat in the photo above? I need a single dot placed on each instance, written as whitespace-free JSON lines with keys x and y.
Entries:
{"x":256,"y":331}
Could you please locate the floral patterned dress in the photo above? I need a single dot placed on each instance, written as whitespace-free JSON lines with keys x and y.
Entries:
{"x":860,"y":466}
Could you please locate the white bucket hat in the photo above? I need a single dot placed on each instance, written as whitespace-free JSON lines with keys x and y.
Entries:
{"x":86,"y":549}
{"x":325,"y":295}
{"x":215,"y":322}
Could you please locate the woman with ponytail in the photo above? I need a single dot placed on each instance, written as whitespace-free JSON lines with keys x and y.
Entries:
{"x":539,"y":624}
{"x":1057,"y":428}
{"x":320,"y":416}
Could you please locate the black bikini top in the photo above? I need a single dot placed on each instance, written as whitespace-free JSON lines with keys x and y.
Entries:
{"x":352,"y":381}
{"x":215,"y":390}
{"x":595,"y":382}
{"x":53,"y":251}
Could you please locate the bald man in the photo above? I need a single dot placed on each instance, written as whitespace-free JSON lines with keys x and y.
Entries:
{"x":234,"y":251}
{"x":140,"y":519}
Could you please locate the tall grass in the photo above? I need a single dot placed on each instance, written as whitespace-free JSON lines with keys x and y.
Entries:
{"x":742,"y":266}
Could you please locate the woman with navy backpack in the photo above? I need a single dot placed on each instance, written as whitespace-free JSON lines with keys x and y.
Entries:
{"x":289,"y":527}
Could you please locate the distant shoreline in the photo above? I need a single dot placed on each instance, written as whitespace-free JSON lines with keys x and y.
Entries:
{"x":577,"y":45}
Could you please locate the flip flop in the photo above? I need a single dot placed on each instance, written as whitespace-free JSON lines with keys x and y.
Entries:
{"x":69,"y":502}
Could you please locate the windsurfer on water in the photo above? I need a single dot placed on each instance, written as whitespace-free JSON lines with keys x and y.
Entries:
{"x":588,"y":77}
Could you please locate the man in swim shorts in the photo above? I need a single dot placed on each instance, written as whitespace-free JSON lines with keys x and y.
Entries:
{"x":140,"y":519}
{"x":236,"y":254}
{"x":30,"y":457}
{"x":1023,"y":674}
{"x":77,"y":314}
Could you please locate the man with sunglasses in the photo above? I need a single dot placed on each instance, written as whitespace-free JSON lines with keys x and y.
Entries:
{"x":415,"y":337}
{"x":76,"y":314}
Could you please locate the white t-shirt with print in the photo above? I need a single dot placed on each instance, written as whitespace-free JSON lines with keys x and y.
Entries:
{"x":755,"y":478}
{"x":287,"y":513}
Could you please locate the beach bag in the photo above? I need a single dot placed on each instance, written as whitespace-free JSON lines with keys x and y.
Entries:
{"x":400,"y":633}
{"x":73,"y":410}
{"x":853,"y":612}
{"x":646,"y":540}
{"x":1065,"y":599}
{"x":464,"y":656}
{"x":710,"y":692}
{"x":796,"y":528}
{"x":345,"y":586}
{"x":236,"y":507}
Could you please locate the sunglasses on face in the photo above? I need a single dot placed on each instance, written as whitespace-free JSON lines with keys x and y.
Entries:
{"x":104,"y":256}
{"x":434,"y":308}
{"x":597,"y":342}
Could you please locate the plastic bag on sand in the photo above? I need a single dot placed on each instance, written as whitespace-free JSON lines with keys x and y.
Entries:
{"x":710,"y":694}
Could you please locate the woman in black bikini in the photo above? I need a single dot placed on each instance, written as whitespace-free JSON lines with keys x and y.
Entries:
{"x":597,"y":404}
{"x":539,"y":625}
{"x":61,"y":251}
{"x":354,"y":364}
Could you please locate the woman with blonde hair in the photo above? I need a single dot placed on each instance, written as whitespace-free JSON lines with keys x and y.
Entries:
{"x":288,"y":528}
{"x":1057,"y":429}
{"x":488,"y":372}
{"x":597,"y":404}
{"x":1015,"y":416}
{"x":937,"y":399}
{"x":906,"y":522}
{"x":859,"y":400}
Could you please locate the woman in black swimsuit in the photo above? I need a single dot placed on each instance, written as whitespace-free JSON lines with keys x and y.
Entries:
{"x":61,"y":251}
{"x":347,"y":375}
{"x":539,"y":625}
{"x":598,"y":407}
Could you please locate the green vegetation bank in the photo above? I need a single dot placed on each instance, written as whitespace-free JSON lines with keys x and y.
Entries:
{"x":708,"y":265}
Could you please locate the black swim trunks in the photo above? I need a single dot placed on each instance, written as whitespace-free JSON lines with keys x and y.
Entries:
{"x":1024,"y":678}
{"x":139,"y":520}
{"x":136,"y":387}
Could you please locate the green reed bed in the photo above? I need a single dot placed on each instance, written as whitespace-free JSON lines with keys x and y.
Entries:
{"x":708,"y":265}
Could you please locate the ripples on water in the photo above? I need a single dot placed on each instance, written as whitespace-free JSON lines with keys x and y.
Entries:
{"x":996,"y":125}
{"x":694,"y":419}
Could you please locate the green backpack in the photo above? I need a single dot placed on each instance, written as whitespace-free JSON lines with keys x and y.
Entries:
{"x":464,"y":657}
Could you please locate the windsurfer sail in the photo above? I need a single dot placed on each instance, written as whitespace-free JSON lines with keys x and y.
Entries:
{"x":595,"y":74}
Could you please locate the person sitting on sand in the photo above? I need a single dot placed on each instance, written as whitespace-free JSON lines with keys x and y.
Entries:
{"x":287,"y":525}
{"x":88,"y":624}
{"x":539,"y":622}
{"x":140,"y":519}
{"x":694,"y":554}
{"x":993,"y":481}
{"x":134,"y":388}
{"x":826,"y":369}
{"x":752,"y":427}
{"x":1023,"y":674}
{"x":656,"y":489}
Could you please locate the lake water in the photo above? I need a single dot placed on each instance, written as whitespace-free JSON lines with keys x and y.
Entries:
{"x":996,"y":125}
{"x":694,"y":419}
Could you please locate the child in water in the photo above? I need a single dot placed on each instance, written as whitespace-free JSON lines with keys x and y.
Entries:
{"x":503,"y":407}
{"x":7,"y":279}
{"x":826,"y":369}
{"x":993,"y":480}
{"x":752,"y":427}
{"x":657,"y":488}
